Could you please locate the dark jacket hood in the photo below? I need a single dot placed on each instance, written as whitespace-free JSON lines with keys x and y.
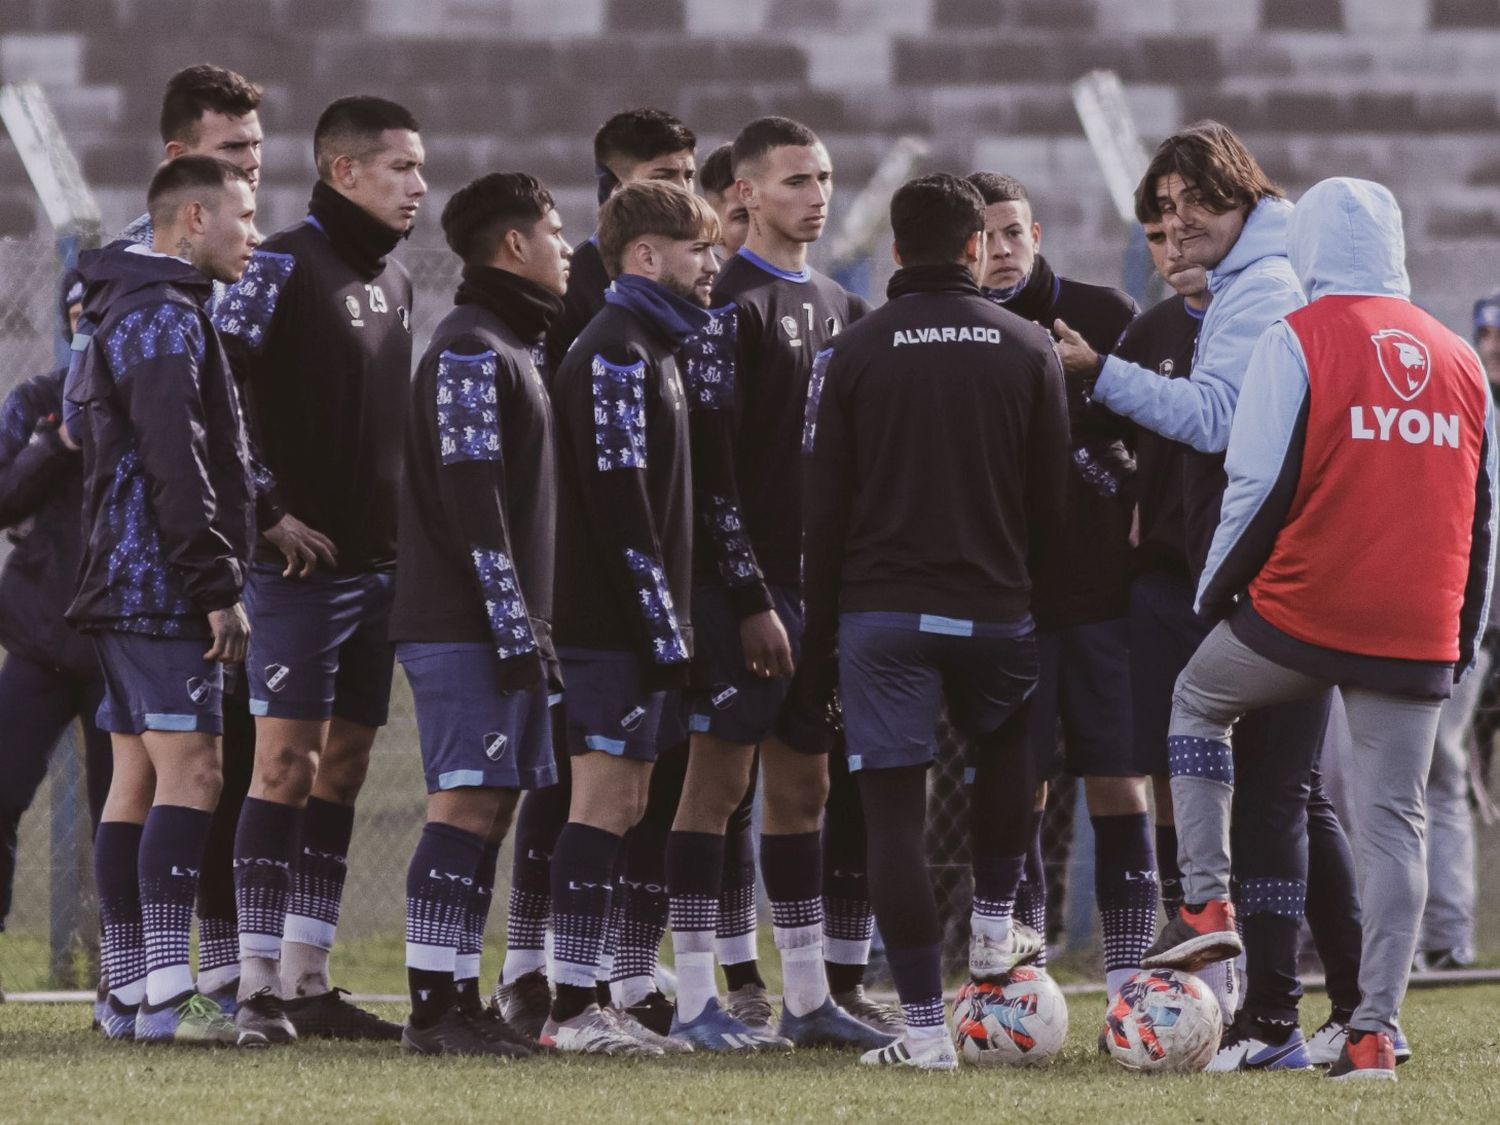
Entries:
{"x":122,"y":268}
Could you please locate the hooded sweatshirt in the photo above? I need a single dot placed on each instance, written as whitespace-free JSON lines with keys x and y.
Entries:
{"x":168,"y":509}
{"x":1360,"y":509}
{"x":624,"y":483}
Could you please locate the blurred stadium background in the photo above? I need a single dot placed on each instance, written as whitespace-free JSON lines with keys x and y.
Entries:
{"x":1403,"y":91}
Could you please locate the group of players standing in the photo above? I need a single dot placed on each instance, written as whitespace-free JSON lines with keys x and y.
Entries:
{"x":641,"y":506}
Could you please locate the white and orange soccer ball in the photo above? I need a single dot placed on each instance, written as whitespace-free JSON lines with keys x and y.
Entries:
{"x":1019,"y":1021}
{"x":1164,"y":1021}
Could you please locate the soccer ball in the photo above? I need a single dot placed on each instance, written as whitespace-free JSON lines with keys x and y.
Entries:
{"x":1021,"y":1020}
{"x":1164,"y":1020}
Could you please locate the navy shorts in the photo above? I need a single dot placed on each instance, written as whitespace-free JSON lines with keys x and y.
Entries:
{"x":738,"y":706}
{"x":1164,"y":634}
{"x":1085,"y":683}
{"x":606,"y":707}
{"x":896,"y":669}
{"x":473,"y":735}
{"x":319,"y":646}
{"x":158,"y":684}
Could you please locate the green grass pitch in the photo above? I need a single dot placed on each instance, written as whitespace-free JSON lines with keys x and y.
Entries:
{"x":52,"y":1068}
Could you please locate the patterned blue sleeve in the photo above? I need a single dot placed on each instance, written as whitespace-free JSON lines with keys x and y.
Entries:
{"x":154,"y":333}
{"x":468,"y":418}
{"x":814,"y":398}
{"x":736,"y":556}
{"x":667,"y":645}
{"x":510,"y":625}
{"x":245,"y":309}
{"x":708,"y":361}
{"x":619,"y":415}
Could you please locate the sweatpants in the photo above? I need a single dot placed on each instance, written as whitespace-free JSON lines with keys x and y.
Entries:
{"x":1392,"y":740}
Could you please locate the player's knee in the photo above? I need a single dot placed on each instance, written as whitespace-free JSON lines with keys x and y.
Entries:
{"x":286,"y":772}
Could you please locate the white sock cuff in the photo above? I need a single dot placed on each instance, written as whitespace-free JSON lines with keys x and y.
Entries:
{"x":430,"y":958}
{"x":307,"y":931}
{"x":216,"y":980}
{"x":519,"y":962}
{"x":466,"y":966}
{"x":799,"y":937}
{"x":168,"y":983}
{"x":267,"y":947}
{"x":843,"y":951}
{"x":631,"y":990}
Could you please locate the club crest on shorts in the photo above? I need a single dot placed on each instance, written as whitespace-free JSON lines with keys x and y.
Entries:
{"x":276,"y":675}
{"x":198,"y":690}
{"x":1404,"y":361}
{"x":723,"y":696}
{"x":632,"y":718}
{"x":494,"y":745}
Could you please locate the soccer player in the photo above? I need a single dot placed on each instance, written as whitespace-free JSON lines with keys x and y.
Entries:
{"x":473,"y":607}
{"x":50,"y":676}
{"x":1213,"y":200}
{"x":624,"y":549}
{"x":632,"y":146}
{"x":721,"y":189}
{"x":319,"y":330}
{"x":748,"y":380}
{"x":635,"y":145}
{"x":1080,"y":605}
{"x":168,"y":521}
{"x":208,"y":110}
{"x":1363,"y":448}
{"x":923,"y":583}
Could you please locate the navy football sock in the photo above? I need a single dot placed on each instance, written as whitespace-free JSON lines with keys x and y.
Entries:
{"x":695,"y":862}
{"x":1031,"y":895}
{"x":582,"y":887}
{"x":996,"y":880}
{"x":439,"y":884}
{"x":848,"y":918}
{"x":122,"y":948}
{"x":735,"y":934}
{"x":919,"y":984}
{"x":265,"y":848}
{"x":476,"y":916}
{"x":792,"y":866}
{"x":172,"y":844}
{"x":312,"y":916}
{"x":1126,"y":892}
{"x":538,"y":822}
{"x":643,"y":884}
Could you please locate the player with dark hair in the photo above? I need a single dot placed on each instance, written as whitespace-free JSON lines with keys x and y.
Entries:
{"x":624,"y":549}
{"x":721,"y":189}
{"x":168,"y":522}
{"x":747,"y":381}
{"x":921,"y":584}
{"x":473,"y":606}
{"x":1080,"y":604}
{"x":1213,"y":200}
{"x":210,"y":111}
{"x":319,"y":330}
{"x":635,"y":145}
{"x":50,"y":676}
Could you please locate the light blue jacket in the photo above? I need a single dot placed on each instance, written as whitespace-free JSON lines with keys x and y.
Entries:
{"x":1345,"y":237}
{"x":1252,"y":288}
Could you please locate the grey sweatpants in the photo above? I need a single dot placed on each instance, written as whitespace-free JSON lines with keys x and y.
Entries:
{"x":1392,"y":751}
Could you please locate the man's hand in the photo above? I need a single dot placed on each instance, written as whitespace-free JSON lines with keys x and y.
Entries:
{"x":1076,"y":356}
{"x":303,"y":547}
{"x":764,"y":641}
{"x":231,"y":634}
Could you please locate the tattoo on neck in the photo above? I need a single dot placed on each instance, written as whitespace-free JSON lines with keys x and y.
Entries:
{"x":185,"y":249}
